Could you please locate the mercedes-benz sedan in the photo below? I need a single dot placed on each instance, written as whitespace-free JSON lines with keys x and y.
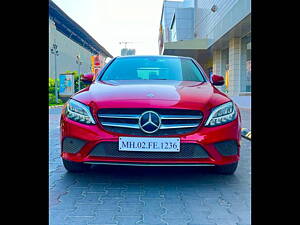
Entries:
{"x":151,"y":111}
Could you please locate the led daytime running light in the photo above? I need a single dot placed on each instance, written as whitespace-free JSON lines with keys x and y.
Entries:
{"x":79,"y":112}
{"x":221,"y":115}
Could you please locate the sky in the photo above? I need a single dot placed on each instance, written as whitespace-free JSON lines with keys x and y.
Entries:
{"x":110,"y":22}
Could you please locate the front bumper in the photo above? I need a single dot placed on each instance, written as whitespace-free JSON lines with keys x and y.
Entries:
{"x":211,"y":140}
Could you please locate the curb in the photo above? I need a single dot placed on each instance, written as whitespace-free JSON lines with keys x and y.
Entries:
{"x":246,"y":133}
{"x":55,"y":106}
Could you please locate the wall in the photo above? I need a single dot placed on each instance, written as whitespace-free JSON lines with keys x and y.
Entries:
{"x":213,"y":25}
{"x":184,"y":18}
{"x":188,"y":4}
{"x":68,"y":50}
{"x":168,"y":11}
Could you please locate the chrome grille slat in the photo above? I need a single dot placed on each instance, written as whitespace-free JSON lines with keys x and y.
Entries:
{"x":178,"y":126}
{"x":173,"y":121}
{"x":120,"y":116}
{"x":124,"y":125}
{"x":180,"y":117}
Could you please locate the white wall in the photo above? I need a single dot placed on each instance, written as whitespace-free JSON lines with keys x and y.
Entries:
{"x":68,"y":50}
{"x":213,"y":25}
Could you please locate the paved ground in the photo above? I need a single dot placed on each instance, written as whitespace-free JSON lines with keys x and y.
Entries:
{"x":147,"y":196}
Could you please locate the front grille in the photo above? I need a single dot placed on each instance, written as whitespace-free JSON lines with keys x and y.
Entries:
{"x":173,"y":121}
{"x":111,"y":149}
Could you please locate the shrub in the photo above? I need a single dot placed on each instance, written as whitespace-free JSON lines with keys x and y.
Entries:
{"x":52,"y":92}
{"x":52,"y":87}
{"x":76,"y":78}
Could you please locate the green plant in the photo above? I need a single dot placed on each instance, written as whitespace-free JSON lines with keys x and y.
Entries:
{"x":52,"y":99}
{"x":52,"y":92}
{"x":52,"y":86}
{"x":76,"y":80}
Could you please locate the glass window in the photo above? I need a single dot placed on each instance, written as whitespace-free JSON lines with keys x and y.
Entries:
{"x":246,"y":64}
{"x":153,"y":68}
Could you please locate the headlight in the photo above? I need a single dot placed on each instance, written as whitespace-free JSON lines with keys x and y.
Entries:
{"x":221,"y":114}
{"x":79,"y":112}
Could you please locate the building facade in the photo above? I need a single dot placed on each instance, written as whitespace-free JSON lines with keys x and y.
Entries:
{"x":71,"y":41}
{"x":217,"y":33}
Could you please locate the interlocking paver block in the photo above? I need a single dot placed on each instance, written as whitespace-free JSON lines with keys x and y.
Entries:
{"x":134,"y":188}
{"x":220,"y":213}
{"x":76,"y":192}
{"x":209,"y":194}
{"x":150,"y":195}
{"x":193,"y":203}
{"x":78,"y":220}
{"x":96,"y":187}
{"x":151,"y":192}
{"x":53,"y":198}
{"x":57,"y":216}
{"x":104,"y":217}
{"x":240,"y":210}
{"x":131,"y":199}
{"x":173,"y":203}
{"x":223,"y":221}
{"x":212,"y":223}
{"x":126,"y":220}
{"x":205,"y":198}
{"x":84,"y":210}
{"x":153,"y":207}
{"x":109,"y":204}
{"x":170,"y":194}
{"x":131,"y":209}
{"x":116,"y":185}
{"x":152,"y":219}
{"x":65,"y":202}
{"x":175,"y":213}
{"x":200,"y":215}
{"x":177,"y":221}
{"x":69,"y":199}
{"x":63,"y":183}
{"x":91,"y":198}
{"x":113,"y":194}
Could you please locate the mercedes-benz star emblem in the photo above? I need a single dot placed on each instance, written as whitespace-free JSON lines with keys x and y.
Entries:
{"x":149,"y":122}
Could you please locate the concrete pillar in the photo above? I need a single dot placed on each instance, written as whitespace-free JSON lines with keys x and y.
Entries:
{"x":234,"y":66}
{"x":217,"y":62}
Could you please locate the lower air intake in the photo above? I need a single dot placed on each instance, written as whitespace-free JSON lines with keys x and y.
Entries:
{"x":187,"y":151}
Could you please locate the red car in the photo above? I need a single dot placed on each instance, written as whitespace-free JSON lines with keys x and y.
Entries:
{"x":151,"y":111}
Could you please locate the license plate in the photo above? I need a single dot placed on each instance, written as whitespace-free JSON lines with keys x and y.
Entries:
{"x":141,"y":144}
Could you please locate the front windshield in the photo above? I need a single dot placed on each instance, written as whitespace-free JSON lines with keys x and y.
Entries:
{"x":153,"y":68}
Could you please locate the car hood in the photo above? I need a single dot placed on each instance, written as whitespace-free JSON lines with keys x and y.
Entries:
{"x":151,"y":93}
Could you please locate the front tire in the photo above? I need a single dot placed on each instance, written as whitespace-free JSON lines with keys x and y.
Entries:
{"x":227,"y":169}
{"x":75,"y":166}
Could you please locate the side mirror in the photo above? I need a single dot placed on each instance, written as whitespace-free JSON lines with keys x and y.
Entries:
{"x":87,"y":78}
{"x":217,"y":80}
